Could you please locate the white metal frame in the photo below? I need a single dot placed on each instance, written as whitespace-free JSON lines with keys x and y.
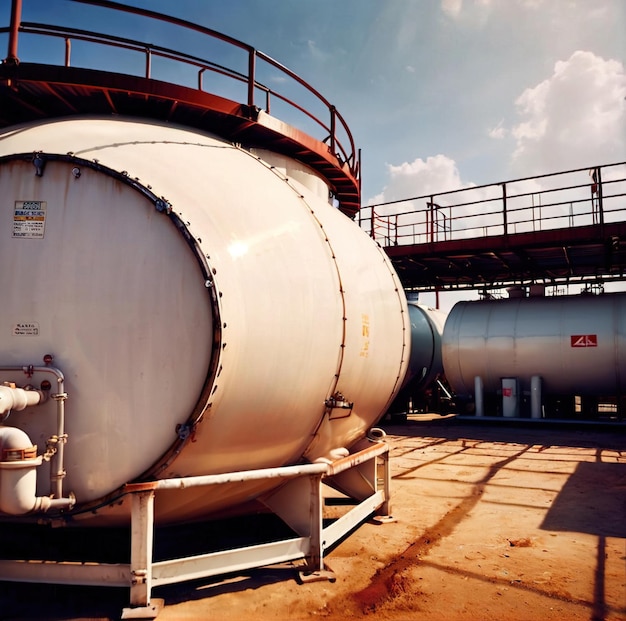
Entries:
{"x":298,"y":501}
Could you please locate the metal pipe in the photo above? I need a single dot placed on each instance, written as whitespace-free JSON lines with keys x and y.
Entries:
{"x":57,"y":460}
{"x":18,"y":398}
{"x":379,"y":448}
{"x":16,"y":18}
{"x":45,"y":503}
{"x":229,"y":477}
{"x":56,"y":478}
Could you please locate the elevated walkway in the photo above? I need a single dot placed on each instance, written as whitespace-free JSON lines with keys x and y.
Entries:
{"x":561,"y":228}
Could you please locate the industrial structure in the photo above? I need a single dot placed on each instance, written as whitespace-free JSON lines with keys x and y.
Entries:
{"x":187,"y":329}
{"x":195,"y":326}
{"x":528,"y":349}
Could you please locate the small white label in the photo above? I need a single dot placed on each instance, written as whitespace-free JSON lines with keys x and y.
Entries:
{"x":26,"y":328}
{"x":29,"y":219}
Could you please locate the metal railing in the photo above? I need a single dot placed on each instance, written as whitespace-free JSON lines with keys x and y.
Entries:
{"x":567,"y":199}
{"x":336,"y":133}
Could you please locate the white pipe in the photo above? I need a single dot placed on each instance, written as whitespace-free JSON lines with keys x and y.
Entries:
{"x":57,"y":458}
{"x":18,"y":477}
{"x":237,"y":477}
{"x":18,"y":398}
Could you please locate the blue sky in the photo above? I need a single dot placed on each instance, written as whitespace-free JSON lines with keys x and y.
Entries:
{"x":443,"y":92}
{"x":439,"y":94}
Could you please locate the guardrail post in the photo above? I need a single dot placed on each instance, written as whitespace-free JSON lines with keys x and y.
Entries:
{"x":148,"y":62}
{"x":16,"y":19}
{"x":431,"y":224}
{"x":251,"y":76}
{"x":333,"y":121}
{"x":504,"y":213}
{"x":600,"y":206}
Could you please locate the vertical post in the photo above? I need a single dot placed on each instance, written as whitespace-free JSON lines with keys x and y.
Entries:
{"x":600,"y":206}
{"x":333,"y":121}
{"x":432,"y":218}
{"x":142,"y":535}
{"x":315,"y":558}
{"x":535,"y":396}
{"x":504,"y":213}
{"x":16,"y":19}
{"x":68,"y":50}
{"x":478,"y":396}
{"x":385,"y":508}
{"x":251,"y":75}
{"x":358,"y":174}
{"x":148,"y":63}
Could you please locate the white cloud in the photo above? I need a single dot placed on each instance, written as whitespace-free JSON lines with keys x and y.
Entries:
{"x":422,"y":177}
{"x":452,"y":7}
{"x":316,"y":52}
{"x":416,"y":187}
{"x":575,"y":118}
{"x":498,"y":132}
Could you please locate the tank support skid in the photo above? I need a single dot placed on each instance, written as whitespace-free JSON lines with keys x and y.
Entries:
{"x":299,"y":502}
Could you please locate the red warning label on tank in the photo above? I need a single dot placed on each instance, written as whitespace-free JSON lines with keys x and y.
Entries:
{"x":584,"y":340}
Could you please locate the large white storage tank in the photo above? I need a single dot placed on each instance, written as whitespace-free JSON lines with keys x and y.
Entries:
{"x":576,"y":345}
{"x":209,"y":312}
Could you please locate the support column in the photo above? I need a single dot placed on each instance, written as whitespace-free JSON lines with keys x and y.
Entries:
{"x":315,"y":558}
{"x":142,"y":540}
{"x":478,"y":396}
{"x":535,"y":397}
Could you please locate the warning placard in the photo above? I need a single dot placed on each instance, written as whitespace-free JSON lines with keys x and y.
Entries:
{"x":584,"y":340}
{"x":29,"y":219}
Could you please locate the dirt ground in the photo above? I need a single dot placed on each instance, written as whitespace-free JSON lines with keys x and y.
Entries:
{"x":491,"y":522}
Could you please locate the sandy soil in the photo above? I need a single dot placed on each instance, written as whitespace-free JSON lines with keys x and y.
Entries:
{"x":491,"y":522}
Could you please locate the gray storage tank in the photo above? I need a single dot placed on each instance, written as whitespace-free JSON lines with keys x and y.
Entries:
{"x":575,"y":344}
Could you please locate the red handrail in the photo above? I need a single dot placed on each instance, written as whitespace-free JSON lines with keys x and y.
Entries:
{"x":345,"y":150}
{"x":503,"y":208}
